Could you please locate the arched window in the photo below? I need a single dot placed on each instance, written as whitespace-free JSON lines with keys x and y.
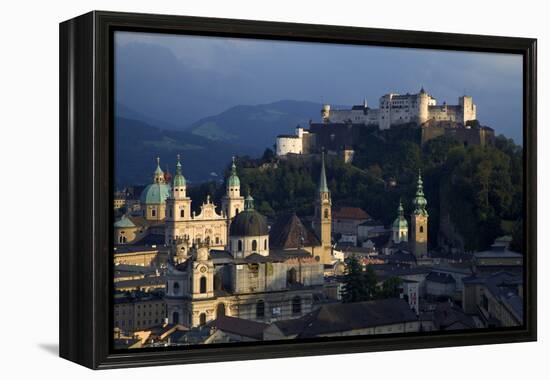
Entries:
{"x":202,"y":319}
{"x":220,"y":310}
{"x":203,"y":284}
{"x":260,"y":309}
{"x":254,"y":245}
{"x":291,"y":276}
{"x":182,"y":213}
{"x":326,"y":213}
{"x":175,"y":317}
{"x":296,"y":305}
{"x":240,"y":245}
{"x":176,"y":287}
{"x":217,"y":240}
{"x":265,"y":244}
{"x":236,"y":211}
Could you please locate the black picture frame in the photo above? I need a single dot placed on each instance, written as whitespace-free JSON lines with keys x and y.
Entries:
{"x":86,"y":177}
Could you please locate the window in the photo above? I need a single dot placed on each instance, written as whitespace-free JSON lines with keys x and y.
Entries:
{"x":236,"y":211}
{"x":153,"y":212}
{"x":254,"y":245}
{"x":265,"y":244}
{"x":326,"y":213}
{"x":260,"y":309}
{"x":171,"y":215}
{"x":182,"y":213}
{"x":220,"y":310}
{"x":421,"y":229}
{"x":176,"y":287}
{"x":203,"y":284}
{"x":296,"y":305}
{"x":202,"y":319}
{"x":291,"y":276}
{"x":217,"y":240}
{"x":240,"y":245}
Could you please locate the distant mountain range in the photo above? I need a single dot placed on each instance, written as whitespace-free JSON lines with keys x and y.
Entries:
{"x":258,"y":124}
{"x":207,"y":145}
{"x":137,"y":144}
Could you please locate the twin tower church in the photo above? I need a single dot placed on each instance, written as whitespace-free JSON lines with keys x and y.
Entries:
{"x":230,"y":262}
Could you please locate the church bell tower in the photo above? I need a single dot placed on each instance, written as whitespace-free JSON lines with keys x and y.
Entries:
{"x":322,"y":221}
{"x":233,"y":202}
{"x":419,"y":221}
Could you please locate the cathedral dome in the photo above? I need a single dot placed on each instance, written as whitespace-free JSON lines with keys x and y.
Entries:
{"x":249,"y":222}
{"x":155,"y":193}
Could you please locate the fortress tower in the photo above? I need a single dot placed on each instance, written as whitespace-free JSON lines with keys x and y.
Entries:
{"x":419,"y":221}
{"x":422,"y":104}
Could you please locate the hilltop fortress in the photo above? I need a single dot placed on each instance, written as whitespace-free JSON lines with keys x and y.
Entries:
{"x":339,"y":128}
{"x":395,"y":109}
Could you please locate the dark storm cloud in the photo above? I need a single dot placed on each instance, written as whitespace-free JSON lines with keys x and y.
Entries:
{"x":179,"y":79}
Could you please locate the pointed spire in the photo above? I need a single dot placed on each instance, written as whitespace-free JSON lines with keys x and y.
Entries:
{"x":178,"y":164}
{"x":323,"y":188}
{"x":233,"y":180}
{"x":400,"y":208}
{"x":420,"y":201}
{"x":159,"y":174}
{"x":179,"y":179}
{"x":249,"y":202}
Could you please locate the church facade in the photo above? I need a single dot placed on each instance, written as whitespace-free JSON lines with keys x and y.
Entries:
{"x":222,"y":262}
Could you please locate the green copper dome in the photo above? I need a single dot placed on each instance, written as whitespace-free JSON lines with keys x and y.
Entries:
{"x":419,"y":201}
{"x":400,"y":222}
{"x":233,"y":179}
{"x":179,"y":179}
{"x":155,"y":193}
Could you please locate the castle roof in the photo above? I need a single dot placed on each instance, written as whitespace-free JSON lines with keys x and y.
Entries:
{"x":354,"y":213}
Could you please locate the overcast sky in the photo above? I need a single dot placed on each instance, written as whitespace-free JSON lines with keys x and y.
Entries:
{"x":180,"y":79}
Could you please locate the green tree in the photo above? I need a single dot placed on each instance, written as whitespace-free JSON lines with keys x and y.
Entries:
{"x":390,"y":288}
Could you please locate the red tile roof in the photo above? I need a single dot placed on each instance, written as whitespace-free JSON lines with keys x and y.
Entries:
{"x":350,"y":213}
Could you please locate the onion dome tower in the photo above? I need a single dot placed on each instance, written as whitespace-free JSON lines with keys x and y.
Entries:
{"x":400,"y":227}
{"x":153,"y":198}
{"x":419,"y":221}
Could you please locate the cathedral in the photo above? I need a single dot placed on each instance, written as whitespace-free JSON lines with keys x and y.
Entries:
{"x":418,"y":242}
{"x":223,"y":262}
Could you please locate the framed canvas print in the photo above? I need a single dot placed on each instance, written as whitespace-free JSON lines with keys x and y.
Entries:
{"x":236,"y":190}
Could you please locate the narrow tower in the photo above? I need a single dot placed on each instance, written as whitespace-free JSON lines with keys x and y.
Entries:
{"x":178,"y":207}
{"x":322,"y":221}
{"x":400,"y":227}
{"x":233,"y":202}
{"x":419,"y":221}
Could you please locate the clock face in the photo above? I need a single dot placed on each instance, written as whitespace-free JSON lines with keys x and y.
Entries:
{"x":203,"y":269}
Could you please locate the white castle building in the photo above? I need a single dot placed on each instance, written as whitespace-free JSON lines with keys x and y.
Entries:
{"x":394,"y":109}
{"x":397,"y":109}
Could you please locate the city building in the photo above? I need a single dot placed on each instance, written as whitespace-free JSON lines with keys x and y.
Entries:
{"x":138,"y":310}
{"x":386,"y":316}
{"x":497,"y":298}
